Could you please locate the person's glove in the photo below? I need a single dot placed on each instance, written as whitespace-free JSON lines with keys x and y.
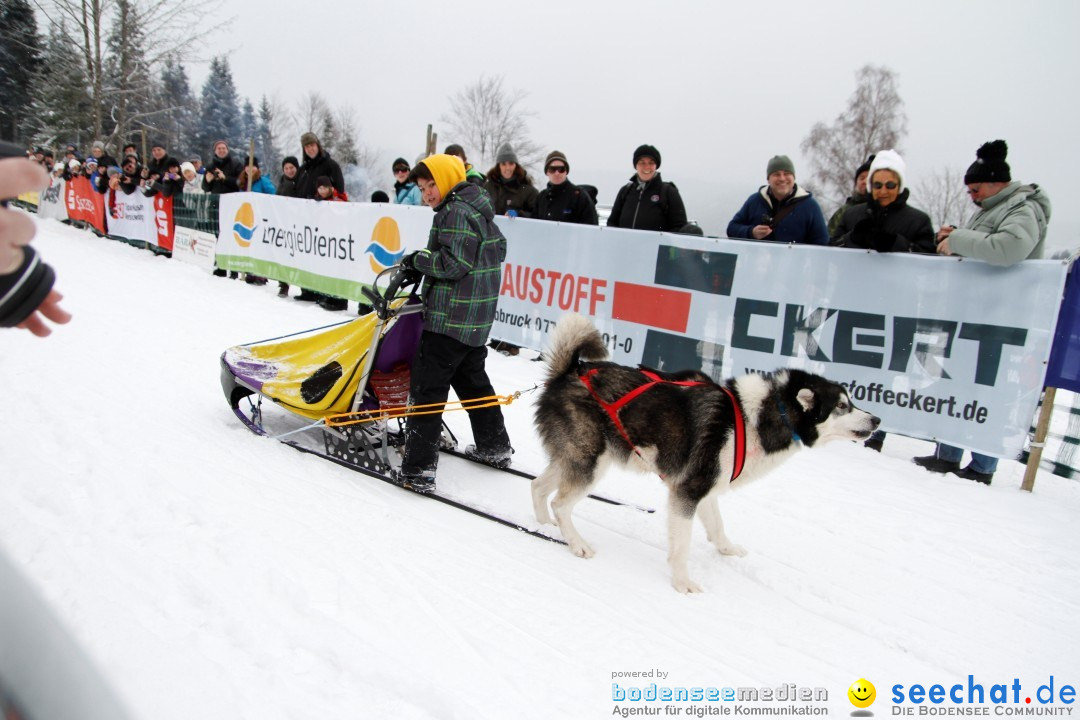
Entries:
{"x":883,"y":241}
{"x":22,"y":291}
{"x":861,"y":233}
{"x":408,"y":268}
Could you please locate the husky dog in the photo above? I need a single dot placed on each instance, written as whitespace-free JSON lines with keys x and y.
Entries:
{"x":686,"y":428}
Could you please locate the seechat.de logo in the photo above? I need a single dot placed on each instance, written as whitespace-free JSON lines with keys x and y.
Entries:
{"x":244,"y":225}
{"x":385,"y":248}
{"x":862,"y":694}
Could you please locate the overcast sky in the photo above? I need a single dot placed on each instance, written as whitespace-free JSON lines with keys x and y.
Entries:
{"x":718,"y":87}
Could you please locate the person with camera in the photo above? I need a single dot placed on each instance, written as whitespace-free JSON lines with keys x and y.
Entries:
{"x":162,"y":173}
{"x":780,"y":211}
{"x":222,"y":172}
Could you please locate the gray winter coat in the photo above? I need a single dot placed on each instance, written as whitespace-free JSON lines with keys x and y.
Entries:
{"x":1010,"y":227}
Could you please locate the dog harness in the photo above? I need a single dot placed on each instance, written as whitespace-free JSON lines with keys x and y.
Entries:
{"x":613,"y":408}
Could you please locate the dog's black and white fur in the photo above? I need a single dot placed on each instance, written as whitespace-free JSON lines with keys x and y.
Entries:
{"x":684,"y":434}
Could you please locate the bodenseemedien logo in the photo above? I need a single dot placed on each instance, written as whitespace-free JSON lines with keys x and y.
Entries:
{"x":244,"y":225}
{"x":385,"y":248}
{"x":862,"y":694}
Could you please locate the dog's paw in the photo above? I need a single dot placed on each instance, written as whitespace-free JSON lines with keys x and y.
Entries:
{"x":686,"y":586}
{"x":581,"y":550}
{"x":544,"y":517}
{"x":732,"y":549}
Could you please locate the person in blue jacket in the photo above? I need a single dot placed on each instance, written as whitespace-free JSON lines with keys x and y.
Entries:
{"x":405,"y":192}
{"x":780,"y":211}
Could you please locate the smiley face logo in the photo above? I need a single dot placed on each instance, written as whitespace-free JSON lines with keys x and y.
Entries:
{"x":862,"y":693}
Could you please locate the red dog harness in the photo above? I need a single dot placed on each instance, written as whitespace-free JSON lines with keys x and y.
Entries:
{"x":613,"y":408}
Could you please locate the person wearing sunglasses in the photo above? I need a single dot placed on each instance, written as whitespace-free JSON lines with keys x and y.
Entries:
{"x":562,"y":200}
{"x":780,"y":211}
{"x":1009,"y":227}
{"x":406,"y":192}
{"x":885,"y":222}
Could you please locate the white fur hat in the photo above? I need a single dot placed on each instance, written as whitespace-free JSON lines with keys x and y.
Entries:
{"x":888,"y":160}
{"x":185,"y":166}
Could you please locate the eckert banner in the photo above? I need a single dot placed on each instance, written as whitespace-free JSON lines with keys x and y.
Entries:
{"x":331,"y":247}
{"x":939,"y":348}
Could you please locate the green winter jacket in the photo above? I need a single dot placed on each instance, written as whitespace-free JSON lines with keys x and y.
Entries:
{"x":463,"y":266}
{"x":1010,"y":227}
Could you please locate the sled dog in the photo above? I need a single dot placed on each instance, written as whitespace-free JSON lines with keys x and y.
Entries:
{"x":700,"y":437}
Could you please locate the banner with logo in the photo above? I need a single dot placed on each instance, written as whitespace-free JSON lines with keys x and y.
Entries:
{"x":939,"y":348}
{"x":332,"y":247}
{"x":194,"y":246}
{"x":85,"y":204}
{"x":52,"y":202}
{"x":138,"y":217}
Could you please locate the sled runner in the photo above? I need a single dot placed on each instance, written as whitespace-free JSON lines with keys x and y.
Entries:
{"x":345,"y":388}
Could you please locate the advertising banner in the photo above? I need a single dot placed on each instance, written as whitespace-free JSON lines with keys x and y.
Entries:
{"x":85,"y":204}
{"x":138,"y":217}
{"x":194,"y":246}
{"x":940,"y":348}
{"x":52,"y":202}
{"x":332,"y":247}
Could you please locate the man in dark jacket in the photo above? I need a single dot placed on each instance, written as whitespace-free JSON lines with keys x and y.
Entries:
{"x":222,"y":172}
{"x":159,"y":177}
{"x":562,"y":200}
{"x":858,"y":196}
{"x":461,"y":267}
{"x":317,"y":163}
{"x":647,"y":202}
{"x":780,"y":211}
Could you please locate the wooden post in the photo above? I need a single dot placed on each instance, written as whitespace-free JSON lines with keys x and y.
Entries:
{"x":1040,"y":439}
{"x":429,"y":143}
{"x":142,"y":131}
{"x":250,"y":162}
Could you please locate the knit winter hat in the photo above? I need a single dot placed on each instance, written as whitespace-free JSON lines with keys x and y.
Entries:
{"x":990,"y":165}
{"x":290,"y":160}
{"x":778,"y":163}
{"x":446,"y":170}
{"x":888,"y":160}
{"x":323,"y":180}
{"x":400,"y":162}
{"x":219,"y":142}
{"x":379,"y":197}
{"x":157,"y":144}
{"x":556,"y":155}
{"x":184,"y":167}
{"x":505,"y":153}
{"x":98,"y":145}
{"x":647,"y":151}
{"x":308,"y":138}
{"x":864,"y":168}
{"x":74,"y":165}
{"x":91,"y":161}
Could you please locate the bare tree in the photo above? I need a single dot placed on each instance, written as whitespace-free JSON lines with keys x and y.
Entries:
{"x":484,"y":115}
{"x":944,"y":197}
{"x":874,"y":120}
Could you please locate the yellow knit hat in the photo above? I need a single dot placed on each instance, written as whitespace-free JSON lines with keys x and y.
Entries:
{"x":446,"y":170}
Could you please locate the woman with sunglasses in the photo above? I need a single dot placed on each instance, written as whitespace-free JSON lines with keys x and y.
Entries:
{"x":406,"y":192}
{"x":886,"y":223}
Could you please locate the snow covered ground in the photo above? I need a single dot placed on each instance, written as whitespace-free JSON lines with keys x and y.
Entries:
{"x":214,"y":574}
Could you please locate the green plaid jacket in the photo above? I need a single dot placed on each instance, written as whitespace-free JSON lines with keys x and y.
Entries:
{"x":463,"y":266}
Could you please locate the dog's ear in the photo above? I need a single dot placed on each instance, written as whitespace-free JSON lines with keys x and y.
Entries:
{"x":806,"y":398}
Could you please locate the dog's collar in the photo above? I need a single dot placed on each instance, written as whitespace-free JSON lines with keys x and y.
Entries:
{"x":787,"y":421}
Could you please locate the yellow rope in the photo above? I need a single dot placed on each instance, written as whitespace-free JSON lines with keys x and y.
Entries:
{"x":391,"y":413}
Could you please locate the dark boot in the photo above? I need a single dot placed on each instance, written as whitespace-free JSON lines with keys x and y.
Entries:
{"x":218,"y":272}
{"x":935,"y":464}
{"x":333,"y":303}
{"x":969,"y":473}
{"x":307,"y":295}
{"x":283,"y":289}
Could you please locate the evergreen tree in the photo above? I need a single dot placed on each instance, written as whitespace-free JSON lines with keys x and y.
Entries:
{"x":265,"y":143}
{"x":248,"y":124}
{"x":129,"y":90}
{"x":219,"y":113}
{"x":176,"y":105}
{"x":61,"y":107}
{"x":20,"y":56}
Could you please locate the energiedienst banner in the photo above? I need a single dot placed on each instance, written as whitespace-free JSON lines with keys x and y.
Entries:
{"x":332,"y":247}
{"x":940,"y":348}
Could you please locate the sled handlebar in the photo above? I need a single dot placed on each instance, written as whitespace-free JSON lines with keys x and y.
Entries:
{"x":381,"y":301}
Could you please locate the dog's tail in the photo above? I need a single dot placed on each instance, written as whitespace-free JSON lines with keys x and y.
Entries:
{"x":575,"y":338}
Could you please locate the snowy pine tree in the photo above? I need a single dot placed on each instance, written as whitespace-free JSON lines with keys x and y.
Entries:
{"x":265,"y":142}
{"x":61,"y":104}
{"x":20,"y":56}
{"x":248,"y":130}
{"x":129,"y":90}
{"x":219,"y":112}
{"x":177,"y":118}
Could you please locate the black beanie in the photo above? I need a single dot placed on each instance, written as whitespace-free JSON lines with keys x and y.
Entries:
{"x":990,"y":165}
{"x":379,"y":196}
{"x":399,"y":162}
{"x":865,"y":167}
{"x":647,"y":151}
{"x":323,"y":180}
{"x":290,"y":160}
